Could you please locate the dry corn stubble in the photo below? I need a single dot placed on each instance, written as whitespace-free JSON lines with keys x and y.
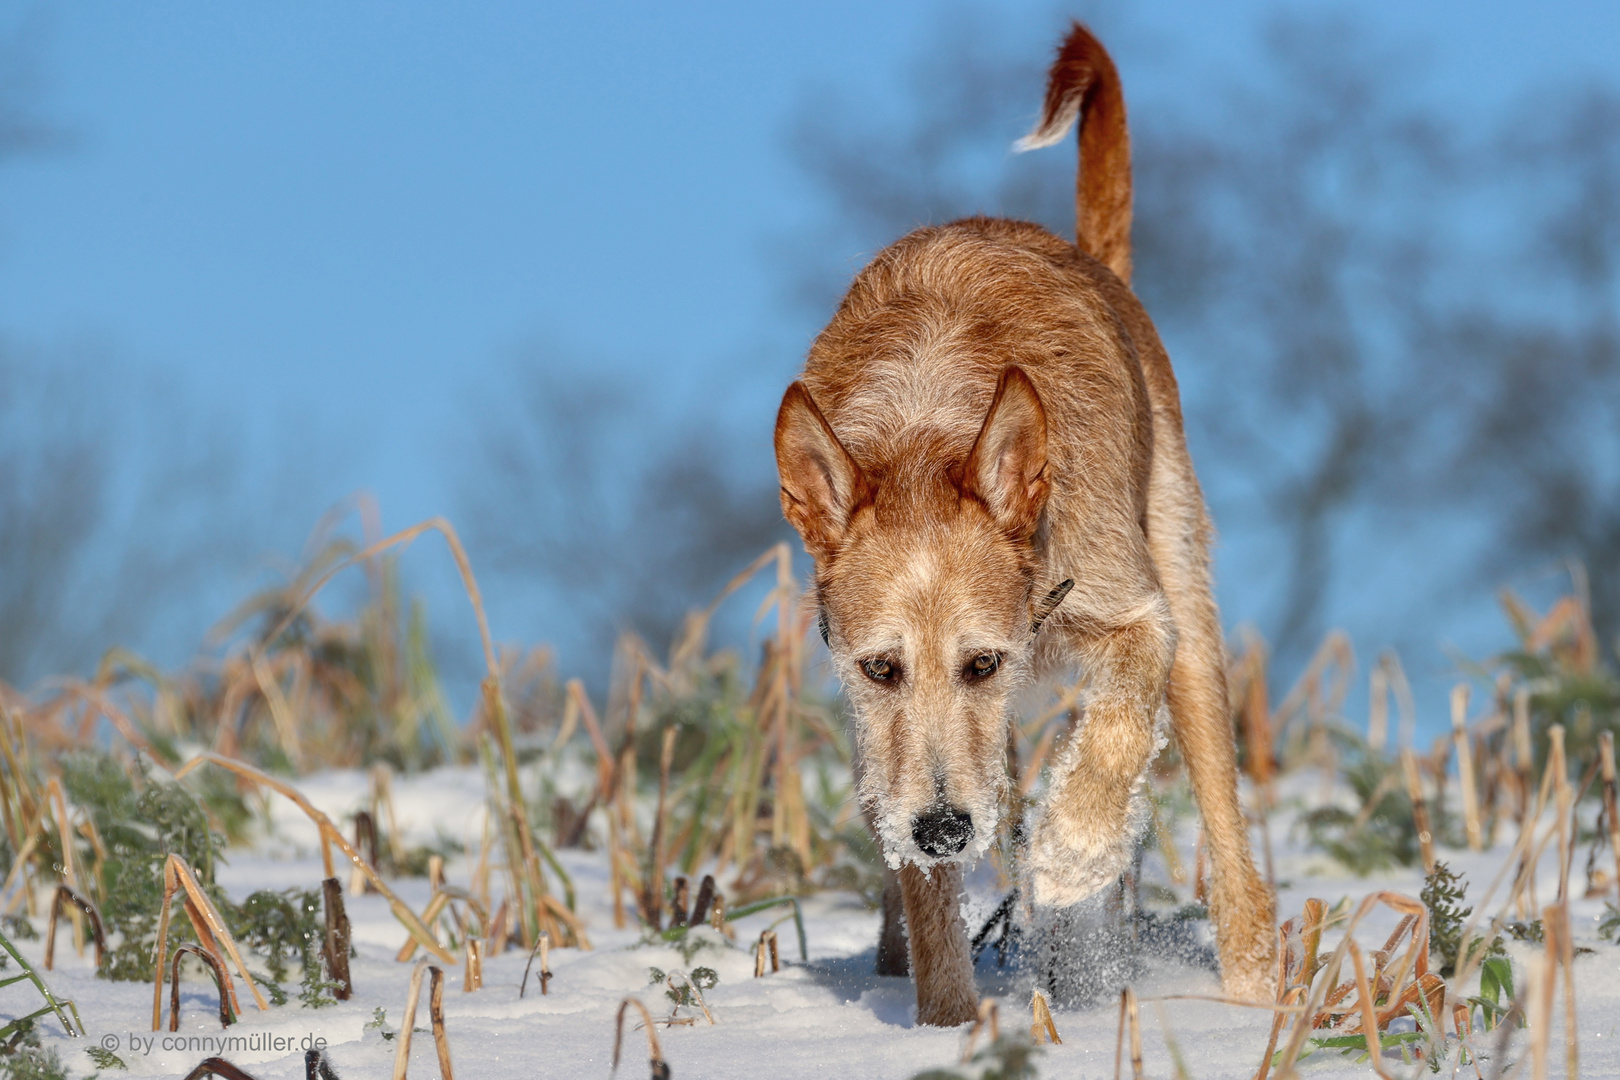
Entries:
{"x":1041,"y":1029}
{"x":330,"y":836}
{"x":1494,"y":769}
{"x":211,"y":934}
{"x":66,"y":895}
{"x":655,"y":1054}
{"x":538,"y":909}
{"x":222,"y":981}
{"x":989,"y":1018}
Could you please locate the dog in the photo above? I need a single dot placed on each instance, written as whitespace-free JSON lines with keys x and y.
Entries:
{"x":985,"y":458}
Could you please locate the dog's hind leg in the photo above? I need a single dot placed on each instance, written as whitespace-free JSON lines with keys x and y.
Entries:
{"x":941,"y":965}
{"x":1242,"y":909}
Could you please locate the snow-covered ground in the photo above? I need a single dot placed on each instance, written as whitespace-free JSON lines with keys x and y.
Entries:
{"x":830,"y":1017}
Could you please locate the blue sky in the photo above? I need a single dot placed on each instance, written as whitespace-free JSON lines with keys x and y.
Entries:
{"x":343,"y":220}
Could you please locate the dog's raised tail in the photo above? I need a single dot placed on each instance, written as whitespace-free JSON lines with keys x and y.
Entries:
{"x":1083,"y":84}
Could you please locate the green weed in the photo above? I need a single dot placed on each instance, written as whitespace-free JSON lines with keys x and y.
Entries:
{"x":1443,"y":894}
{"x":32,"y":1063}
{"x":140,"y":825}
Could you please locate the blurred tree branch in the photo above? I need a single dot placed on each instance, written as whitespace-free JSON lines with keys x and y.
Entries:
{"x":630,"y":517}
{"x":116,"y":508}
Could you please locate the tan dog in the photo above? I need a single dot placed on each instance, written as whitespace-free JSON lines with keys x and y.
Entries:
{"x":989,"y":415}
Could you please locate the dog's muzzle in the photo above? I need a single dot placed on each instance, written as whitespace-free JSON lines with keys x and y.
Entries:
{"x":942,"y":832}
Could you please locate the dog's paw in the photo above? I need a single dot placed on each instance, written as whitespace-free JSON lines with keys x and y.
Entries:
{"x":1253,"y":980}
{"x":947,"y":1006}
{"x":1244,"y":913}
{"x":1063,"y":872}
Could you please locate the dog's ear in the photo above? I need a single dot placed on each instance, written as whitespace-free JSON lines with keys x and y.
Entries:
{"x":1007,"y":468}
{"x":821,"y":483}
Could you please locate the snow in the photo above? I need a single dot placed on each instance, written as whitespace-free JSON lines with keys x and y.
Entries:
{"x":830,"y":1017}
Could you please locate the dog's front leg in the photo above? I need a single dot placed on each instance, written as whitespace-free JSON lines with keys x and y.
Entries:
{"x":1094,"y":806}
{"x":941,"y":964}
{"x":892,"y":957}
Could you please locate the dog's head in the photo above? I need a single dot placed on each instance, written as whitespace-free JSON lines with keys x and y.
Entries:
{"x":927,"y":578}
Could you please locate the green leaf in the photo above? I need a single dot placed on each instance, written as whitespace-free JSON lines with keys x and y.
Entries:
{"x":1496,"y":979}
{"x":798,"y":917}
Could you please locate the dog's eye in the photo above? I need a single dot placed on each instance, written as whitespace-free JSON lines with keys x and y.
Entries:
{"x":879,"y":670}
{"x":983,"y":666}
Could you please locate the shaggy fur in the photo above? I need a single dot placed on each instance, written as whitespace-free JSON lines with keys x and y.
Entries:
{"x":990,"y":413}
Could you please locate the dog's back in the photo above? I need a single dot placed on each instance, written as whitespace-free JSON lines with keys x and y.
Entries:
{"x":910,"y":362}
{"x":907,"y":368}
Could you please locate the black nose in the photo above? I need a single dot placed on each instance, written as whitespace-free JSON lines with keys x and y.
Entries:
{"x":942,"y":831}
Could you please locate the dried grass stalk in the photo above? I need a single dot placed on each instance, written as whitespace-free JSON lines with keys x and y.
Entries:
{"x":499,"y":935}
{"x":989,"y":1019}
{"x":222,"y":981}
{"x":1561,"y":950}
{"x":1541,"y":978}
{"x":473,"y":975}
{"x":615,"y":871}
{"x":210,"y":930}
{"x":365,"y":841}
{"x":1465,"y":766}
{"x":1610,"y":810}
{"x":655,"y":1054}
{"x":1420,"y":808}
{"x":1259,"y":737}
{"x":1042,"y":1030}
{"x":522,"y":859}
{"x":1523,"y":758}
{"x":1286,"y":993}
{"x":70,"y":872}
{"x":1165,"y":842}
{"x":678,"y":902}
{"x":217,"y":1066}
{"x":281,"y":714}
{"x":1119,"y":1037}
{"x":1311,"y":937}
{"x":1526,"y":855}
{"x":766,"y":946}
{"x":1199,"y":892}
{"x":19,"y":865}
{"x":1558,"y":765}
{"x":430,"y":915}
{"x":1377,"y":708}
{"x":1290,"y":997}
{"x":441,"y":1041}
{"x":653,"y":889}
{"x":1134,"y":1021}
{"x":65,"y":894}
{"x":329,"y":832}
{"x":335,"y":946}
{"x":402,"y":1051}
{"x":92,"y":696}
{"x":1325,"y":994}
{"x":1368,"y":1007}
{"x":542,"y":947}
